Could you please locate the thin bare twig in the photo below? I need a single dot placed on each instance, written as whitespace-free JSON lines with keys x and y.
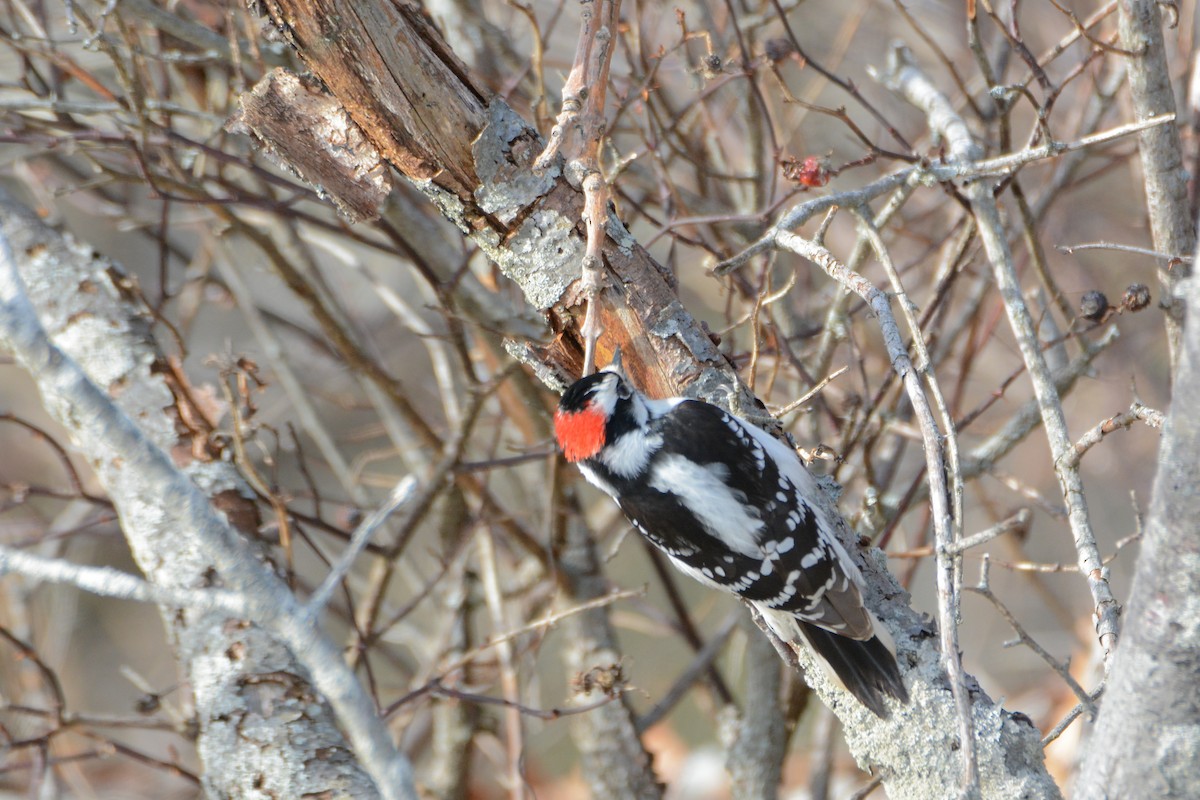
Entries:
{"x":1121,"y":421}
{"x":908,"y":81}
{"x":969,"y":170}
{"x":984,"y":589}
{"x":579,"y":131}
{"x":1017,"y":522}
{"x":700,"y":665}
{"x":1125,"y":248}
{"x":509,"y":684}
{"x":358,"y":540}
{"x":1071,"y":716}
{"x":109,"y":582}
{"x":810,"y":394}
{"x":939,"y":493}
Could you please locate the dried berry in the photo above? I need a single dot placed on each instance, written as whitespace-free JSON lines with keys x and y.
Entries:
{"x":1093,"y":305}
{"x":1137,"y":297}
{"x":778,"y":49}
{"x":812,"y":171}
{"x":711,"y":66}
{"x":148,"y":703}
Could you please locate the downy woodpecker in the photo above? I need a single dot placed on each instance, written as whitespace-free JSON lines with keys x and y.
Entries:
{"x":735,"y":509}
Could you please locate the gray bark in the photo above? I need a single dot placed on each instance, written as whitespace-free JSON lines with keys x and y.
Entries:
{"x":263,"y":729}
{"x":755,"y":760}
{"x":1146,"y":741}
{"x":1164,"y":175}
{"x":612,"y":757}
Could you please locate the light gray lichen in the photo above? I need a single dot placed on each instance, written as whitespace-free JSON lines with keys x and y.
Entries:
{"x":674,"y":320}
{"x":543,"y":258}
{"x":506,"y":187}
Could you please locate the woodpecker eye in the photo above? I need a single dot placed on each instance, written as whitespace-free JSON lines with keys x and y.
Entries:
{"x":623,"y":390}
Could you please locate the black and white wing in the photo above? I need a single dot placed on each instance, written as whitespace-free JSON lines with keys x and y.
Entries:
{"x":729,"y":504}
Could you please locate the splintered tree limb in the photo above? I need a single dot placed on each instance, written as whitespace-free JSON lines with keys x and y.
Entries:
{"x":354,"y":49}
{"x":528,"y":224}
{"x":474,"y":158}
{"x":318,"y":140}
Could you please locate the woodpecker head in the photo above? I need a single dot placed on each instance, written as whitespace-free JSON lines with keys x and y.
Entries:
{"x":596,"y":411}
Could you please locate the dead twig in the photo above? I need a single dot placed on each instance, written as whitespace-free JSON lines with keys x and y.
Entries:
{"x":578,"y":132}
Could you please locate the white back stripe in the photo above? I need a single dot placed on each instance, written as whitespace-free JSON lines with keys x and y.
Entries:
{"x":703,"y":491}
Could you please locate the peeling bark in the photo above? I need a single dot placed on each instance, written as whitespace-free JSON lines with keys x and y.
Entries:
{"x":473,"y":157}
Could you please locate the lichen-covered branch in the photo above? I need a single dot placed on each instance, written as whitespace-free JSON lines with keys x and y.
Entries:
{"x":278,"y":676}
{"x":526,"y":223}
{"x":476,"y":165}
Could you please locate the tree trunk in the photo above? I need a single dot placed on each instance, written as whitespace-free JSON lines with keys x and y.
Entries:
{"x":1163,"y":174}
{"x":1146,"y":742}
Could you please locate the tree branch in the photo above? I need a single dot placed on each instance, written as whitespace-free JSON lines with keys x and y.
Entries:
{"x":1172,"y":221}
{"x":178,"y":537}
{"x":527,"y":224}
{"x":908,"y":81}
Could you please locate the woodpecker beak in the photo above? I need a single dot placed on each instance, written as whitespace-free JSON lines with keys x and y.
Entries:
{"x":615,"y":364}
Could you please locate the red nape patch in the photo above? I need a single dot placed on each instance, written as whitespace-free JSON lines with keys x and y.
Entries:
{"x":580,"y":433}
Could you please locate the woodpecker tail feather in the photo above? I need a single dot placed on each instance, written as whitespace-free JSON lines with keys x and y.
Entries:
{"x":867,"y":668}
